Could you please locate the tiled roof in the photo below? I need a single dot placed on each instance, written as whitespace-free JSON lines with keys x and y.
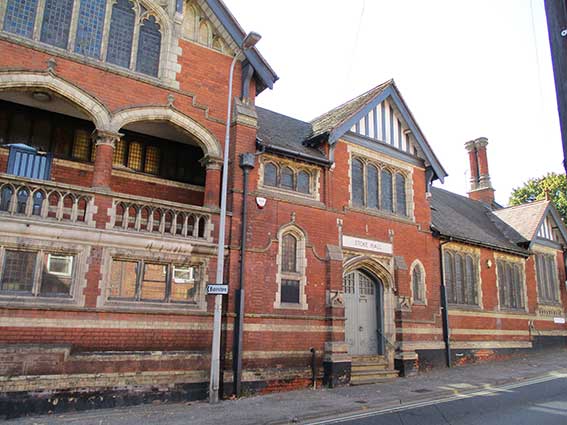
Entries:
{"x":335,"y":117}
{"x":472,"y":221}
{"x":283,"y":132}
{"x":524,"y":218}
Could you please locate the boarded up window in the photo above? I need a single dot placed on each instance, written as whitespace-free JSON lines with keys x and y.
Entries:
{"x":461,"y":278}
{"x":510,"y":285}
{"x":547,"y":281}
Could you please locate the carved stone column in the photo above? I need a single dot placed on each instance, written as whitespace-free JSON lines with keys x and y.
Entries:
{"x":105,"y":143}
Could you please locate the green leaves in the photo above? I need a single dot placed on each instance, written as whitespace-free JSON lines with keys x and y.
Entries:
{"x":536,"y":189}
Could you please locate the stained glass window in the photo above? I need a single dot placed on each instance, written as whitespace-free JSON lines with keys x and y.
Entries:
{"x":152,"y":160}
{"x":135,"y":156}
{"x":56,"y":22}
{"x":270,"y":174}
{"x":357,"y":183}
{"x":121,"y":33}
{"x":81,"y":145}
{"x":303,"y":182}
{"x":20,"y":17}
{"x":149,"y":48}
{"x":371,"y":187}
{"x":401,"y":202}
{"x":386,"y":190}
{"x":90,"y":27}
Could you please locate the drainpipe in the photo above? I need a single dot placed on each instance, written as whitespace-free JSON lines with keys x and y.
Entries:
{"x":247,"y":161}
{"x":444,"y":309}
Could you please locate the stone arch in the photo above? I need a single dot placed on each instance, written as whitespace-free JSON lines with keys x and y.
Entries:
{"x":418,"y":263}
{"x":87,"y":103}
{"x":211,"y":146}
{"x":372,"y":266}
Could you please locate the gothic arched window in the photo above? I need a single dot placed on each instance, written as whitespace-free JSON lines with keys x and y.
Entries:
{"x":357,"y":182}
{"x":56,"y":23}
{"x":303,"y":182}
{"x":386,"y":191}
{"x":418,"y":284}
{"x":291,"y":276}
{"x":401,"y":201}
{"x":372,"y":187}
{"x":287,"y":178}
{"x":270,"y":175}
{"x":149,"y":48}
{"x":121,"y":33}
{"x":20,"y":17}
{"x":90,"y":27}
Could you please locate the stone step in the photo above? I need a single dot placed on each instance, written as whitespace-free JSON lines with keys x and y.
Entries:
{"x":374,"y":376}
{"x":373,"y":358}
{"x":362,"y":366}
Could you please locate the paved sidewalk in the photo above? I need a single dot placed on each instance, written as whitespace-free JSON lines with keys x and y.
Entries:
{"x":298,"y":406}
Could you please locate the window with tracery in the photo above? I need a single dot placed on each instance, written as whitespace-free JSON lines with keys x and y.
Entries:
{"x":81,"y":27}
{"x":378,"y":187}
{"x":461,"y":278}
{"x":292,"y":266}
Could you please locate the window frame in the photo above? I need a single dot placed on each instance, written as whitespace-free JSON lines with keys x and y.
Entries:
{"x":505,"y":296}
{"x":138,"y":300}
{"x":381,"y":169}
{"x":296,"y":170}
{"x":457,"y":290}
{"x":301,"y":268}
{"x":41,"y":267}
{"x":551,"y":283}
{"x":421,"y":298}
{"x":142,"y":12}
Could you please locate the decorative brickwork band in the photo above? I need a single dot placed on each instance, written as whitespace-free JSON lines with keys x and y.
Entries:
{"x":105,"y":143}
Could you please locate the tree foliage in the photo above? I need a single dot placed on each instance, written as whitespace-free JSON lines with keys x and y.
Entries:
{"x":537,"y":189}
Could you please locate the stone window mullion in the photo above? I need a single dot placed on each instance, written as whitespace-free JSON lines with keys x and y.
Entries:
{"x":106,"y":29}
{"x":39,"y":19}
{"x":74,"y":25}
{"x":136,"y":37}
{"x":37,"y":273}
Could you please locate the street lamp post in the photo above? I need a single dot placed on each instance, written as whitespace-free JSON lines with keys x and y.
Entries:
{"x":249,"y":41}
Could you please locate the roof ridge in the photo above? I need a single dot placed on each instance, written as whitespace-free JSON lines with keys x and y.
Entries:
{"x":526,"y":204}
{"x":379,"y":86}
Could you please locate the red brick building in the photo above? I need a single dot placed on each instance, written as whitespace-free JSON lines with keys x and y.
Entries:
{"x":111,"y":130}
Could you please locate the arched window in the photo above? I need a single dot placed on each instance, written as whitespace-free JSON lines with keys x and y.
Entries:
{"x":270,"y":174}
{"x":20,"y":17}
{"x":418,"y":284}
{"x":387,"y":203}
{"x":401,"y":202}
{"x":303,"y":182}
{"x":357,"y":183}
{"x":461,"y":278}
{"x":372,"y":187}
{"x":449,"y":277}
{"x":149,"y":48}
{"x":90,"y":26}
{"x":287,"y":178}
{"x":292,"y":266}
{"x":470,"y":284}
{"x":121,"y":33}
{"x":57,"y":22}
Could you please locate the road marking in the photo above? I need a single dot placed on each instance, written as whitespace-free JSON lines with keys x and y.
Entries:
{"x":488,"y":391}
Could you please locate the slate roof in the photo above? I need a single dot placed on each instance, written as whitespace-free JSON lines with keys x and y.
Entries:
{"x":524,"y":218}
{"x":472,"y":221}
{"x":335,"y":117}
{"x":279,"y":131}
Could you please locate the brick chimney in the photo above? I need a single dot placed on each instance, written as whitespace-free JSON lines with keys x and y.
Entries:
{"x":481,"y":187}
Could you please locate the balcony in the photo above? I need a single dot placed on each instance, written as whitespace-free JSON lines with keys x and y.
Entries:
{"x":61,"y":203}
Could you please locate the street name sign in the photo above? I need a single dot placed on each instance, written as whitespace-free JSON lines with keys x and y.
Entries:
{"x":217,"y":289}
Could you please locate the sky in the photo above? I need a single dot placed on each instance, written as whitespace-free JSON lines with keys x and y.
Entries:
{"x":466,"y":69}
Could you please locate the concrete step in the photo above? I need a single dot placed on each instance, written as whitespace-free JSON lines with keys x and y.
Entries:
{"x":373,"y":376}
{"x":368,"y":366}
{"x":373,"y":358}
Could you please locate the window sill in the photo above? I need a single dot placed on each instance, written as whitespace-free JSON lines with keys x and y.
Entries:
{"x":290,"y":196}
{"x":156,"y":307}
{"x":521,"y":310}
{"x":464,"y":307}
{"x":290,"y":306}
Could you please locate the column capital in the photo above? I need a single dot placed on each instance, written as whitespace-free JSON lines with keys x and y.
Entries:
{"x":107,"y":138}
{"x":211,"y":163}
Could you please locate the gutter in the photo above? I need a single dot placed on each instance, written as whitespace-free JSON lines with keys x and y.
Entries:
{"x":293,"y":154}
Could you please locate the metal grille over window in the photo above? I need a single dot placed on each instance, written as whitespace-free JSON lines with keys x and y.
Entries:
{"x":289,"y":254}
{"x":366,"y":286}
{"x":348,"y":283}
{"x":56,"y":22}
{"x":20,"y":17}
{"x":149,"y":48}
{"x":461,"y":278}
{"x":18,"y":271}
{"x":121,"y":33}
{"x":90,"y":28}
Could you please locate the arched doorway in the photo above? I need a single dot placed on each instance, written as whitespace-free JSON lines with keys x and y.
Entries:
{"x":364,"y":313}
